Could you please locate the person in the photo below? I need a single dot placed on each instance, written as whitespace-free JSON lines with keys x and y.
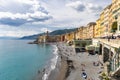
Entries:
{"x":84,"y":75}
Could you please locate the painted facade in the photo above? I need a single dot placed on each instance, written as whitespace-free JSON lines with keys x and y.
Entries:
{"x":90,"y":30}
{"x":97,"y":29}
{"x":102,"y":24}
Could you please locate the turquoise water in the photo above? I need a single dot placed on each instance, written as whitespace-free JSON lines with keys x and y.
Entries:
{"x":21,"y":61}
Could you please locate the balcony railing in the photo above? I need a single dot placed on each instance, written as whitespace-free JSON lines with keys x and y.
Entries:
{"x":111,"y":42}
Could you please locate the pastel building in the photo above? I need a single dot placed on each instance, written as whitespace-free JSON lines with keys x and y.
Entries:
{"x":90,"y":30}
{"x":102,"y":24}
{"x":97,"y":29}
{"x":84,"y":35}
{"x":116,"y":13}
{"x":107,"y":21}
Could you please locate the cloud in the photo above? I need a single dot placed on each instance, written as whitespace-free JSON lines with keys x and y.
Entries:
{"x":78,"y":5}
{"x":84,"y":6}
{"x":21,"y":31}
{"x":34,"y":13}
{"x":93,"y":7}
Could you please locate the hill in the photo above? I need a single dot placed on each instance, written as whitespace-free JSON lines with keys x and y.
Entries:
{"x":56,"y":32}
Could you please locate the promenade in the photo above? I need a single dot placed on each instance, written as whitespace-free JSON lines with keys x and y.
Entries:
{"x":111,"y":42}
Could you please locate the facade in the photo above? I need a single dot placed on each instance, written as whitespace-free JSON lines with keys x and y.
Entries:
{"x":107,"y":20}
{"x":90,"y":30}
{"x":63,"y":37}
{"x":116,"y":12}
{"x":70,"y":36}
{"x":84,"y":33}
{"x":102,"y":24}
{"x":110,"y":18}
{"x":118,"y":24}
{"x":97,"y":29}
{"x":79,"y":33}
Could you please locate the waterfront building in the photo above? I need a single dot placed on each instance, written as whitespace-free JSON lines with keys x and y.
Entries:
{"x":107,"y":20}
{"x":78,"y":34}
{"x":70,"y":36}
{"x":116,"y":12}
{"x":63,"y":37}
{"x":84,"y":33}
{"x":97,"y":29}
{"x":81,"y":32}
{"x":90,"y":30}
{"x":110,"y":18}
{"x":102,"y":24}
{"x":118,"y":30}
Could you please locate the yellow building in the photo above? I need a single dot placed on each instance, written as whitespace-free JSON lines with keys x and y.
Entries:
{"x":102,"y":24}
{"x":84,"y":34}
{"x":116,"y":13}
{"x":70,"y":36}
{"x":118,"y":25}
{"x":90,"y":30}
{"x":77,"y":35}
{"x":110,"y":18}
{"x":106,"y":24}
{"x":97,"y":29}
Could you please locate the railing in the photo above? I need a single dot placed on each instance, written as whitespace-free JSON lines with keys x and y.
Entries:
{"x":111,"y":42}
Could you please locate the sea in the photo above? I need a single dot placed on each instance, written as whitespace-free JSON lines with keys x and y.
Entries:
{"x":22,"y":61}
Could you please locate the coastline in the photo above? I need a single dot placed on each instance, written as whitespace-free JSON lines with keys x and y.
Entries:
{"x":59,"y":73}
{"x":61,"y":68}
{"x":70,"y":65}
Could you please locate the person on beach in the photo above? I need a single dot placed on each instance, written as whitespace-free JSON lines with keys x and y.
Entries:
{"x":84,"y":75}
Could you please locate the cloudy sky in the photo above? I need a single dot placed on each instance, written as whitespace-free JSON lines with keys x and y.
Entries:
{"x":26,"y":17}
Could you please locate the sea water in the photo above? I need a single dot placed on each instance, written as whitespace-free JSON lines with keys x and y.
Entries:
{"x":21,"y":61}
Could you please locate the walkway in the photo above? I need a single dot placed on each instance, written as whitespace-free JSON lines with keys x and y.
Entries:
{"x":112,"y":42}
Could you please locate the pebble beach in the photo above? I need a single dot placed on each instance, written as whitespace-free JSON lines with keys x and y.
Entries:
{"x":71,"y":65}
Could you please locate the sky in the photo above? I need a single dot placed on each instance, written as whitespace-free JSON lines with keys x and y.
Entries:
{"x":20,"y":18}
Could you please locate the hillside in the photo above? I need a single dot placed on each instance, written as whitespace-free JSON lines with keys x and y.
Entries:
{"x":56,"y":32}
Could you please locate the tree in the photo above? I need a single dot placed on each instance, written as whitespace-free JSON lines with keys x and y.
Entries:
{"x":114,"y":26}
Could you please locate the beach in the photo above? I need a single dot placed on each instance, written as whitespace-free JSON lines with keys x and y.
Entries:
{"x":71,"y":65}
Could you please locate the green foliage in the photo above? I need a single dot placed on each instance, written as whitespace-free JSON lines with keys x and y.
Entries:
{"x":114,"y":26}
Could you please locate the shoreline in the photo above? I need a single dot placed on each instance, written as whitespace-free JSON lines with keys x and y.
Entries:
{"x":59,"y":73}
{"x":70,"y":65}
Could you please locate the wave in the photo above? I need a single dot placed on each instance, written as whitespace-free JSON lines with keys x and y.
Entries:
{"x":52,"y":64}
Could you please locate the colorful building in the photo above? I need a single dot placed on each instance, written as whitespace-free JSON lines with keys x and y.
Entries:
{"x":116,"y":12}
{"x":107,"y":20}
{"x":70,"y":36}
{"x":84,"y":35}
{"x":97,"y":29}
{"x":110,"y":18}
{"x":90,"y":30}
{"x":102,"y":24}
{"x":79,"y":33}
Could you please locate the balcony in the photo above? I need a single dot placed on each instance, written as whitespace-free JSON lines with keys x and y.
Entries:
{"x":111,"y":42}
